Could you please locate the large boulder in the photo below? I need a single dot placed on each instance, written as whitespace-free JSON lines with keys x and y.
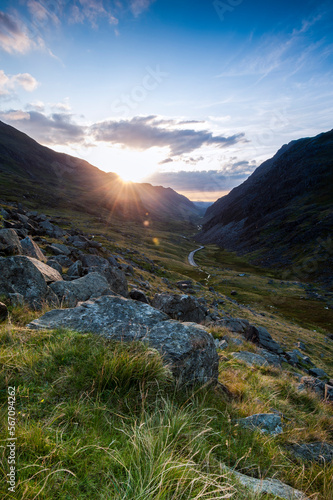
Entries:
{"x":31,"y":249}
{"x":180,"y":307}
{"x":9,"y":242}
{"x":115,"y":276}
{"x":187,"y":348}
{"x":28,"y":277}
{"x":70,"y":293}
{"x":260,"y":336}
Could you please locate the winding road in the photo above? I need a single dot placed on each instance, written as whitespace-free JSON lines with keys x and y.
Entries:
{"x":191,"y":257}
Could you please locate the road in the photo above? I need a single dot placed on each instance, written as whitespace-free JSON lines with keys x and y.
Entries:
{"x":191,"y":257}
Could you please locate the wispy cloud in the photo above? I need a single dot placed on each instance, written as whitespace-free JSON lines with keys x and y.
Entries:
{"x":138,"y":6}
{"x":91,"y":11}
{"x":144,"y":133}
{"x":14,"y":36}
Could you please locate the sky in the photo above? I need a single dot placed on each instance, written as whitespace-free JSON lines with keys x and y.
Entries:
{"x":192,"y":95}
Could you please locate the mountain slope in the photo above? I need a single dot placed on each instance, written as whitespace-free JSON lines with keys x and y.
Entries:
{"x":282,"y":213}
{"x":41,"y":175}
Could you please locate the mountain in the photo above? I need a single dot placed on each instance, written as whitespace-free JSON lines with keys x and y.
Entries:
{"x":282,"y":214}
{"x":47,"y":178}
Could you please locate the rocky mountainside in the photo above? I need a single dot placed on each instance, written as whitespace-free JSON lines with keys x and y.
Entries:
{"x":282,"y":213}
{"x":46,"y":178}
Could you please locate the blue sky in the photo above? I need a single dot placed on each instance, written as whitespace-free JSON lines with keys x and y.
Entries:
{"x":192,"y":95}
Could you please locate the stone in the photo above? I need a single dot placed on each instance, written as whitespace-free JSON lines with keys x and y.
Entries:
{"x":16,"y":299}
{"x":138,"y":295}
{"x":31,"y":249}
{"x":267,"y":486}
{"x":234,"y":324}
{"x":250,"y":358}
{"x":269,"y":423}
{"x":75,"y":269}
{"x":315,"y":452}
{"x":70,"y":293}
{"x":180,"y":307}
{"x":28,"y":277}
{"x":51,"y":229}
{"x":63,"y":249}
{"x":115,"y":277}
{"x":272,"y":359}
{"x":324,"y":391}
{"x":318,"y":373}
{"x":63,"y":260}
{"x":260,"y":336}
{"x":301,"y":346}
{"x":187,"y":348}
{"x":55,"y":265}
{"x":9,"y":242}
{"x":233,"y":292}
{"x":3,"y":312}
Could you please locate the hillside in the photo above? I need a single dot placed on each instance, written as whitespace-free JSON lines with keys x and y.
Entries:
{"x":282,"y":214}
{"x":45,"y":178}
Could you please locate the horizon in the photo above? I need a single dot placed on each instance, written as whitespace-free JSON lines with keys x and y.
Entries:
{"x":188,"y":97}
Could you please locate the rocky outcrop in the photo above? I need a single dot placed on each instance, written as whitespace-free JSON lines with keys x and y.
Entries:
{"x":180,"y":307}
{"x":314,"y":452}
{"x":260,"y":336}
{"x":10,"y":242}
{"x":188,"y":348}
{"x":70,"y":293}
{"x":138,"y":295}
{"x":115,"y":277}
{"x":250,"y":358}
{"x":31,"y":249}
{"x":28,"y":277}
{"x":269,"y":423}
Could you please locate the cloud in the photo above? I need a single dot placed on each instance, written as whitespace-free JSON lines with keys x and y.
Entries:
{"x":143,"y":133}
{"x":41,"y":14}
{"x":214,"y":181}
{"x":58,"y":128}
{"x":90,"y":10}
{"x":138,"y":6}
{"x":8,"y":83}
{"x":14,"y":36}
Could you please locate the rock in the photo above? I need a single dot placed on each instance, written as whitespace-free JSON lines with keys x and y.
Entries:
{"x":236,"y":341}
{"x":260,"y":336}
{"x":318,"y":373}
{"x":31,"y":249}
{"x":180,"y":307}
{"x":115,"y":277}
{"x":75,"y":270}
{"x":293,"y":358}
{"x":63,"y":249}
{"x":233,"y":292}
{"x":51,"y":229}
{"x":188,"y":348}
{"x":138,"y":295}
{"x":3,"y":312}
{"x":94,"y":244}
{"x":324,"y":391}
{"x":267,"y":486}
{"x":234,"y":324}
{"x":223,"y":344}
{"x":314,"y":452}
{"x":63,"y":260}
{"x":55,"y":265}
{"x":127,"y":268}
{"x":250,"y":358}
{"x":16,"y":299}
{"x":28,"y":277}
{"x":272,"y":359}
{"x":9,"y":242}
{"x":269,"y":423}
{"x":70,"y":293}
{"x":301,"y":346}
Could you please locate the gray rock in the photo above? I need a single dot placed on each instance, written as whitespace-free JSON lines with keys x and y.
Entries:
{"x":28,"y":277}
{"x":188,"y":348}
{"x":31,"y":249}
{"x":236,"y":341}
{"x":260,"y":336}
{"x":63,"y":260}
{"x":250,"y":358}
{"x":272,"y":359}
{"x":318,"y":373}
{"x":55,"y":265}
{"x":235,"y":324}
{"x":70,"y":293}
{"x":223,"y":344}
{"x":324,"y":391}
{"x":75,"y":269}
{"x":314,"y":452}
{"x":3,"y":312}
{"x":268,"y":486}
{"x":269,"y":423}
{"x":115,"y":277}
{"x":9,"y":242}
{"x":138,"y":295}
{"x":51,"y":229}
{"x":180,"y":307}
{"x":16,"y":299}
{"x":301,"y":346}
{"x":63,"y":249}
